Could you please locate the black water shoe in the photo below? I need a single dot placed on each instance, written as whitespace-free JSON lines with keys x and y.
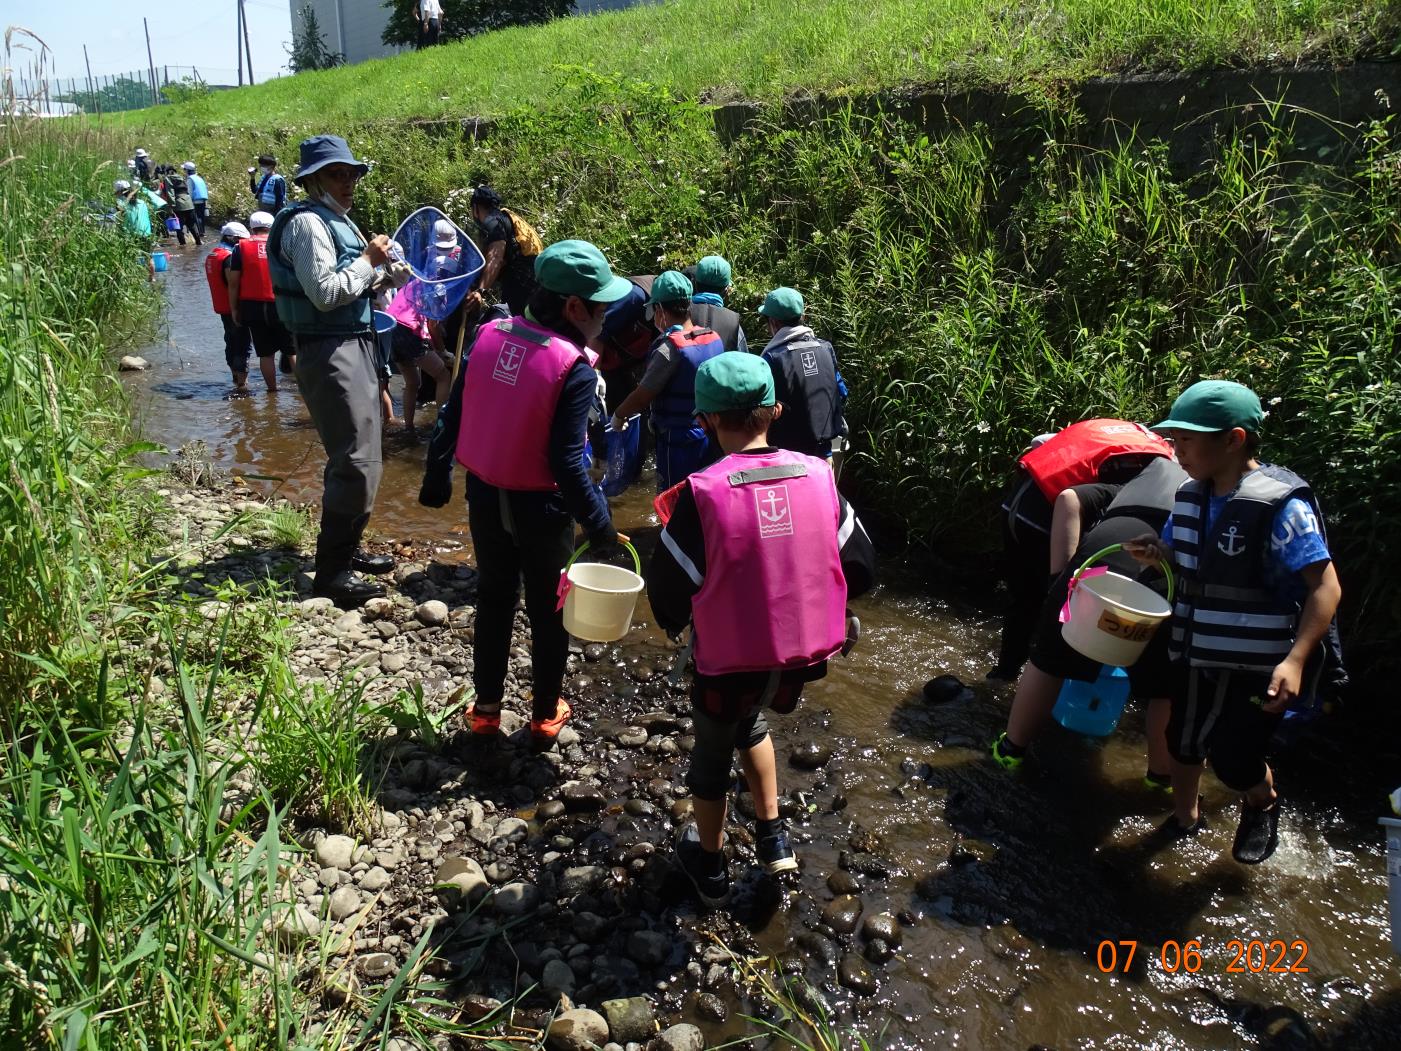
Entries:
{"x":376,"y":564}
{"x":1171,"y":830}
{"x":1257,"y":835}
{"x":347,"y":589}
{"x":775,"y":852}
{"x":707,"y":871}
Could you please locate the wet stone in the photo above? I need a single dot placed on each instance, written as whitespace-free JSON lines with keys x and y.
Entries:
{"x":510,"y":830}
{"x":378,"y":965}
{"x":639,"y":808}
{"x":842,"y":913}
{"x":592,"y":927}
{"x":884,"y":926}
{"x":810,"y":755}
{"x":841,"y":882}
{"x":583,"y":797}
{"x":818,"y":948}
{"x":580,"y":879}
{"x":630,"y":1019}
{"x":946,"y":689}
{"x":649,"y":948}
{"x":594,"y":651}
{"x":550,"y":810}
{"x":853,"y":973}
{"x":557,"y":977}
{"x":878,"y":950}
{"x":679,"y":1038}
{"x":632,"y":737}
{"x":710,"y":1006}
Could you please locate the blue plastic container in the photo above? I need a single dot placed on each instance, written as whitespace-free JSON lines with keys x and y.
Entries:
{"x":624,"y":457}
{"x":1093,"y":708}
{"x":162,"y":263}
{"x":172,"y":224}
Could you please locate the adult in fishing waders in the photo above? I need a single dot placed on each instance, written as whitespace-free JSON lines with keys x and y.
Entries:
{"x":805,"y":376}
{"x":516,"y":422}
{"x":669,"y":384}
{"x":323,"y":273}
{"x":199,"y":194}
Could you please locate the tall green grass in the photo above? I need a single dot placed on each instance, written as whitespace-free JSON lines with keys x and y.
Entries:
{"x":722,"y":49}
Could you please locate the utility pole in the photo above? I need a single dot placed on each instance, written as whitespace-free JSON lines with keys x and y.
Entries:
{"x":92,"y":91}
{"x":245,"y":42}
{"x":238,"y":42}
{"x":151,"y":64}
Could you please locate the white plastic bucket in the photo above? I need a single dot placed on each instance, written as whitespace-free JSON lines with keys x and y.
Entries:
{"x":600,"y":599}
{"x":1110,"y":618}
{"x":1393,"y":876}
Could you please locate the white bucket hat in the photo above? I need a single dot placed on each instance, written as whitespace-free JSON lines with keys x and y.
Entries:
{"x":234,"y":230}
{"x":444,"y":234}
{"x":260,"y":220}
{"x":189,"y":166}
{"x":142,"y":153}
{"x":121,"y":186}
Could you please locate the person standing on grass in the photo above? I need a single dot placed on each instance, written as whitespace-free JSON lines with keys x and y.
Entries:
{"x":216,"y":273}
{"x":669,"y":383}
{"x":267,"y":185}
{"x":1256,"y":597}
{"x":254,"y":303}
{"x":806,"y":378}
{"x":429,"y":15}
{"x":506,"y":261}
{"x":516,"y":421}
{"x":711,"y":279}
{"x":323,"y":272}
{"x":199,"y":194}
{"x":760,"y":555}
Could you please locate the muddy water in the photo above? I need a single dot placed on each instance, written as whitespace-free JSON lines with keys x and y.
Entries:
{"x":1010,"y":884}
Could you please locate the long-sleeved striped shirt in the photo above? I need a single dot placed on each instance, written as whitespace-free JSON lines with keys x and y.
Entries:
{"x":308,"y":249}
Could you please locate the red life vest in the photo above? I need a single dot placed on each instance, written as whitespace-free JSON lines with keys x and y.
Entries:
{"x":509,"y":395}
{"x":1075,"y":455}
{"x":774,"y":594}
{"x":214,"y":274}
{"x":255,"y":282}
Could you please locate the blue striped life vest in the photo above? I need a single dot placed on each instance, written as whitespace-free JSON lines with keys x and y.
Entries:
{"x":675,"y":407}
{"x":1227,"y":614}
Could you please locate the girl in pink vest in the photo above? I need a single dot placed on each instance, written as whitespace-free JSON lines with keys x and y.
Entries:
{"x":760,"y":555}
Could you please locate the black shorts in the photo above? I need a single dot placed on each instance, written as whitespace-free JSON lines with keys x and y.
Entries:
{"x":407,"y":345}
{"x":270,"y":336}
{"x":1218,"y":714}
{"x":1150,"y":676}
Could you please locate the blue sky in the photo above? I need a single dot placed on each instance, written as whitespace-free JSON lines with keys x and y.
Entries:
{"x":201,"y":35}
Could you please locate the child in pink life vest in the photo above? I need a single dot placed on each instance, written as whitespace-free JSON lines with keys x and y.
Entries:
{"x":761,"y":554}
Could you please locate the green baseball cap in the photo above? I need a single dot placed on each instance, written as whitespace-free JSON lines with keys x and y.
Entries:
{"x":577,"y":268}
{"x":713,"y":274}
{"x":783,"y":304}
{"x":670,"y":287}
{"x":1214,"y":405}
{"x":734,"y":380}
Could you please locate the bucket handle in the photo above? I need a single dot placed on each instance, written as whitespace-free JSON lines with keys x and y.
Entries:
{"x":636,"y":561}
{"x":1167,"y":569}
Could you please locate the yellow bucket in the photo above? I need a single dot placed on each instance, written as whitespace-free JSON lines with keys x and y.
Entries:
{"x":1110,"y":618}
{"x":599,"y":599}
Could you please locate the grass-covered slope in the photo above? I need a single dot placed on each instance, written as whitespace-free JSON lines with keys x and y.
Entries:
{"x":717,"y":49}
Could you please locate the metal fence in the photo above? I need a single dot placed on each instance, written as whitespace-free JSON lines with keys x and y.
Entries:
{"x":114,"y":92}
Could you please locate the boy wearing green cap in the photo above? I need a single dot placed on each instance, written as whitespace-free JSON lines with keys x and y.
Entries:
{"x":1256,"y":596}
{"x":516,"y":420}
{"x":669,"y":383}
{"x":760,"y":554}
{"x":711,"y":279}
{"x":806,"y":378}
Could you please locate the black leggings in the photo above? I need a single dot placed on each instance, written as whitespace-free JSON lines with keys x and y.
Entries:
{"x":1216,"y":714}
{"x":511,"y":546}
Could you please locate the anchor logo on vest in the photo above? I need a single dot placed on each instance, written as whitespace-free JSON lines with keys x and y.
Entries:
{"x":773,"y":510}
{"x":1228,"y":546}
{"x":508,"y":364}
{"x":809,"y":360}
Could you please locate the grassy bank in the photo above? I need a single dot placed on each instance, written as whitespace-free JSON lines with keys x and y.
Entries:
{"x":720,"y":49}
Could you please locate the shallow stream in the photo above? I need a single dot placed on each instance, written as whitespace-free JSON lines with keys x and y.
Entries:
{"x":1013,"y":883}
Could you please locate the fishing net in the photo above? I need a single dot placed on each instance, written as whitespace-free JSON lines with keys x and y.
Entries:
{"x":444,"y":260}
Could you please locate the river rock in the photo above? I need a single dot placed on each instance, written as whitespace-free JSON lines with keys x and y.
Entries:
{"x":376,"y":608}
{"x":679,"y":1038}
{"x":842,"y":913}
{"x":810,"y":755}
{"x":577,"y":1030}
{"x":343,"y":903}
{"x":432,"y":613}
{"x":820,"y":949}
{"x":591,"y":927}
{"x":946,"y":689}
{"x":649,"y":948}
{"x":630,"y":1019}
{"x":336,"y":852}
{"x":133,"y":363}
{"x":375,"y":879}
{"x":391,"y":663}
{"x":632,"y":737}
{"x":840,"y":882}
{"x":378,"y":965}
{"x":582,"y":797}
{"x":581,"y":879}
{"x":516,"y":899}
{"x":884,"y":926}
{"x":296,"y":926}
{"x":557,"y":978}
{"x":460,"y":882}
{"x":853,"y":973}
{"x":509,"y":830}
{"x":710,"y":1006}
{"x":878,"y":950}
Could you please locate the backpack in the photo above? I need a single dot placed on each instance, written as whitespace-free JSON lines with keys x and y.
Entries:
{"x":528,"y":241}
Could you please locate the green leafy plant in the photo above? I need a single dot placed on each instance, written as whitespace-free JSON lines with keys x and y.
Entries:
{"x":407,"y":712}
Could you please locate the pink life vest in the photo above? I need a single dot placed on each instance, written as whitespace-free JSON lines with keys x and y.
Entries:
{"x":514,"y":376}
{"x":401,"y":308}
{"x":774,"y":594}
